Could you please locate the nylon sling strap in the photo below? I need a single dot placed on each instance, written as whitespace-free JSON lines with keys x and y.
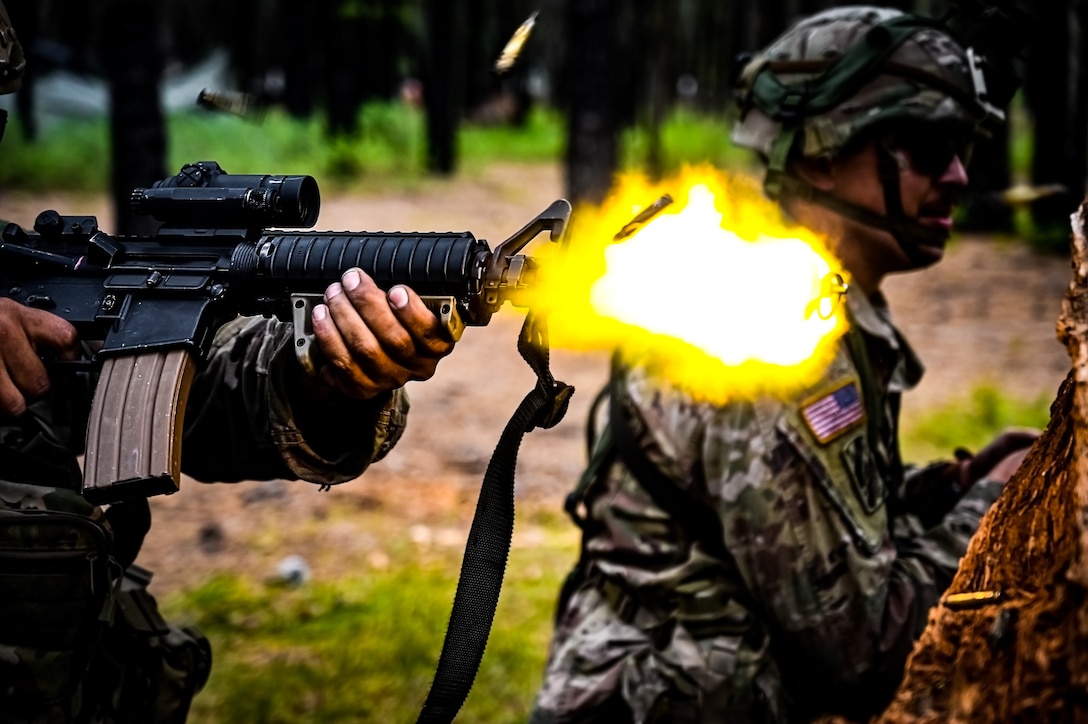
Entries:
{"x":898,"y":227}
{"x":41,"y":461}
{"x":675,"y":501}
{"x":488,"y":545}
{"x":875,"y":410}
{"x":679,"y":503}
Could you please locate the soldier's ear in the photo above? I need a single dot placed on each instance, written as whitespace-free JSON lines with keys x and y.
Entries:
{"x":815,"y":172}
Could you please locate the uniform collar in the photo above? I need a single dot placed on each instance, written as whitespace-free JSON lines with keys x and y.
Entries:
{"x":872,"y":316}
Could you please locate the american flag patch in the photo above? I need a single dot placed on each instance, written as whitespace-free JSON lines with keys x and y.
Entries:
{"x":834,"y":413}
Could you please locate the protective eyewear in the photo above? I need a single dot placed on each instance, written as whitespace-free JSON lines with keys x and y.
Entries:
{"x":929,"y":151}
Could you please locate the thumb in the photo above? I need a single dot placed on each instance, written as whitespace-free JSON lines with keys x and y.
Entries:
{"x":1003,"y":445}
{"x":50,"y":333}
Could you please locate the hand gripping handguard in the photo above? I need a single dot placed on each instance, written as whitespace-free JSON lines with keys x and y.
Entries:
{"x":147,"y":308}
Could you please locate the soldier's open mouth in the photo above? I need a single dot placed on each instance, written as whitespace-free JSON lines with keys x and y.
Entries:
{"x":940,"y":222}
{"x":937,"y":215}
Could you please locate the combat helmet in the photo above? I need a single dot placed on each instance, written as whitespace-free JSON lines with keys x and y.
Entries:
{"x":845,"y":71}
{"x":12,"y":62}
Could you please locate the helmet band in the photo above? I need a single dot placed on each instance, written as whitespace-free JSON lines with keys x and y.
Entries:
{"x":908,"y":233}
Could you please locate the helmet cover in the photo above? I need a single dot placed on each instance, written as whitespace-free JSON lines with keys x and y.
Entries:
{"x":927,"y":77}
{"x":12,"y":60}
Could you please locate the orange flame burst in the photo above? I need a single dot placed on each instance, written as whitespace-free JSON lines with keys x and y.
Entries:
{"x":717,"y":293}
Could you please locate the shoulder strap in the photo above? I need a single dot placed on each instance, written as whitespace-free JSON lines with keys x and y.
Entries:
{"x":700,"y":519}
{"x":600,"y":452}
{"x":860,"y":354}
{"x":40,"y":460}
{"x":874,"y":400}
{"x":488,"y":545}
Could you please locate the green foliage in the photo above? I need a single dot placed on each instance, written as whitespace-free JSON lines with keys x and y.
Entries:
{"x":687,"y":137}
{"x":69,"y":156}
{"x":364,"y":649}
{"x":541,"y":138}
{"x":1021,"y":139}
{"x":388,"y":145}
{"x":1048,"y":238}
{"x":970,"y":424}
{"x":388,"y":150}
{"x":74,"y":156}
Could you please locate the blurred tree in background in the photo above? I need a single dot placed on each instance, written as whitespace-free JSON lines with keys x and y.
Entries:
{"x":1056,"y":92}
{"x":132,"y":60}
{"x":608,"y":66}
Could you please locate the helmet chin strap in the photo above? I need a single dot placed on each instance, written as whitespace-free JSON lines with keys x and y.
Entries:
{"x":909,"y":233}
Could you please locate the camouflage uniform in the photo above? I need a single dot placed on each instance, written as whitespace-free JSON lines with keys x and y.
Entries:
{"x":773,"y":559}
{"x":833,"y":554}
{"x":80,"y":637}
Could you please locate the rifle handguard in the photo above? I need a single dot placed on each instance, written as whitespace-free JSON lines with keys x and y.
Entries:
{"x":302,"y":307}
{"x":155,"y":302}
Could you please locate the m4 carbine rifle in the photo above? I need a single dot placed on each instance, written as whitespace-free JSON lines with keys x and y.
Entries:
{"x":154,"y":303}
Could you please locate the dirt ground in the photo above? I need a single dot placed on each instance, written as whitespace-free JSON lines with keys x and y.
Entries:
{"x":986,"y":314}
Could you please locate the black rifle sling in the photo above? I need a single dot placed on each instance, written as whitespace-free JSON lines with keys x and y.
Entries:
{"x":488,"y":545}
{"x":40,"y":459}
{"x":698,"y":518}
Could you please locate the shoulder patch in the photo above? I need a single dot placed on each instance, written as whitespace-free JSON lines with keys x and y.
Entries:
{"x":833,"y":413}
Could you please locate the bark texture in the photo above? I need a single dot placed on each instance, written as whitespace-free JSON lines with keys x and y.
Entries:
{"x":1022,"y":657}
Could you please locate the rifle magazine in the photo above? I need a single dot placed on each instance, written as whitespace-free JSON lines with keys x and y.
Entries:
{"x":134,"y":433}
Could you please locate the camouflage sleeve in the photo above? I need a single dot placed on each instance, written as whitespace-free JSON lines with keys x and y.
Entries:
{"x":944,"y":542}
{"x":249,"y":419}
{"x":808,"y":523}
{"x":928,"y":492}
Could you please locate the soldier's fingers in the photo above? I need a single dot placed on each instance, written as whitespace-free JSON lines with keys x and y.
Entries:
{"x":50,"y":333}
{"x":375,"y":340}
{"x":22,"y":367}
{"x":26,"y":371}
{"x":12,"y":401}
{"x":1007,"y":442}
{"x":341,"y":369}
{"x":1004,"y":470}
{"x":430,"y":337}
{"x":364,"y":320}
{"x":1021,"y":437}
{"x":368,"y":318}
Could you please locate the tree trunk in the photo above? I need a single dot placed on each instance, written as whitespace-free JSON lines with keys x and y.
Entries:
{"x":346,"y":49}
{"x":300,"y":50}
{"x":657,"y":45}
{"x":133,"y":62}
{"x":1020,"y":652}
{"x":25,"y":19}
{"x":442,"y":82}
{"x":1055,"y":94}
{"x":990,"y":174}
{"x":592,"y":123}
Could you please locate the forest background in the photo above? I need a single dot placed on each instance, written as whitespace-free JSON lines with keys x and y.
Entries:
{"x":331,"y":606}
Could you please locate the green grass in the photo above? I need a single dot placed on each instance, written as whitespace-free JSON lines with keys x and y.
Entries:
{"x":389,"y":149}
{"x":541,"y":139}
{"x":969,"y":423}
{"x":74,"y":156}
{"x":687,"y":138}
{"x":364,"y":649}
{"x":69,"y":156}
